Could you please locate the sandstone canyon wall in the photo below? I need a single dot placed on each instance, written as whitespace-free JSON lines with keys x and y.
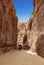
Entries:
{"x":8,"y":24}
{"x":22,"y":29}
{"x":36,"y":28}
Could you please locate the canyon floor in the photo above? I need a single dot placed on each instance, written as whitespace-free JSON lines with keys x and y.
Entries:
{"x":20,"y":57}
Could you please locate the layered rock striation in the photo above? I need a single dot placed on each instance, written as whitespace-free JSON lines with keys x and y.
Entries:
{"x":8,"y":24}
{"x":36,"y":28}
{"x":22,"y":29}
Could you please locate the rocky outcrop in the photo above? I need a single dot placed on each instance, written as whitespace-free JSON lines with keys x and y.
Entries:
{"x":8,"y":24}
{"x":36,"y":28}
{"x":22,"y":28}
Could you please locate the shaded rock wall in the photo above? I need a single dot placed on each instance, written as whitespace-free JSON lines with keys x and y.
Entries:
{"x":37,"y":28}
{"x":8,"y":24}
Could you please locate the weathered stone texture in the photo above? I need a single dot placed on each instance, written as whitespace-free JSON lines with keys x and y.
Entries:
{"x":37,"y":28}
{"x":22,"y":29}
{"x":8,"y":24}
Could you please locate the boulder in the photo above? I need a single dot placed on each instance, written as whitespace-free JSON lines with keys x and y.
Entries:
{"x":19,"y":47}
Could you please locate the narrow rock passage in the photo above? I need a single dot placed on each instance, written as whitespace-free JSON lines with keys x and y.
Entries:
{"x":18,"y":57}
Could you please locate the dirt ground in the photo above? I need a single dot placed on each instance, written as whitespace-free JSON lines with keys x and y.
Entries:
{"x":22,"y":57}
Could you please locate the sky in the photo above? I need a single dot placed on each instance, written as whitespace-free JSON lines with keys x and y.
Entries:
{"x":24,"y":9}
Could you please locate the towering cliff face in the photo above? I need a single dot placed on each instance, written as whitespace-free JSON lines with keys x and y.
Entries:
{"x":8,"y":24}
{"x":36,"y":28}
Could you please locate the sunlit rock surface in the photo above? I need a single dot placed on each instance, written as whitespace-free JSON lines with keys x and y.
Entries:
{"x":36,"y":28}
{"x":22,"y":29}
